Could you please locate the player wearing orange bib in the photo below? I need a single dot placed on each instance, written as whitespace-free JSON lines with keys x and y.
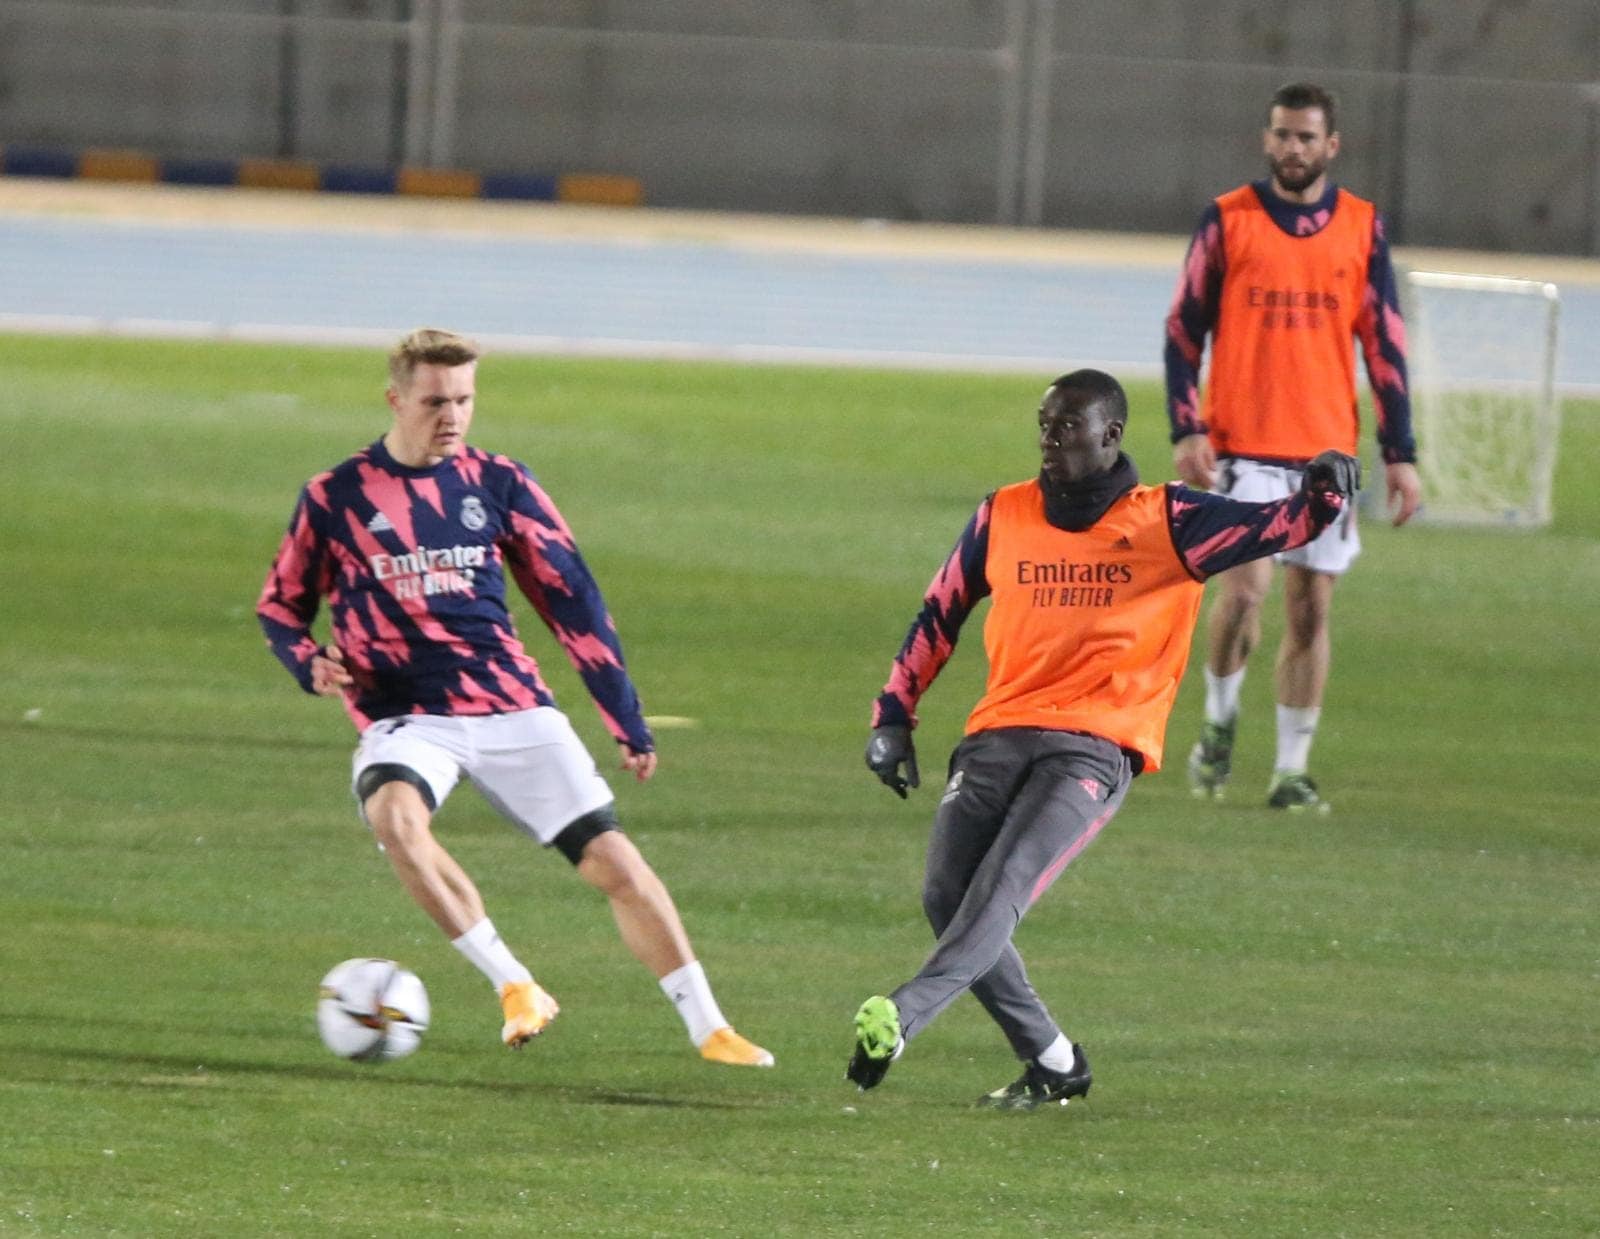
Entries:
{"x":1095,"y":585}
{"x":1282,"y":274}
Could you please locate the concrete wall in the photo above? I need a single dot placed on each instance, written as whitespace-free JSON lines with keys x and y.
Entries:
{"x":1467,"y":119}
{"x":203,"y":78}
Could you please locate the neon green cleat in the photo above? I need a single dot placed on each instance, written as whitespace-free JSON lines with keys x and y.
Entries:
{"x":878,"y":1042}
{"x":1211,"y":760}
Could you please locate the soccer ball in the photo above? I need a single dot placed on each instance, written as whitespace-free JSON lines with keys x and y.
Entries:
{"x":372,"y":1010}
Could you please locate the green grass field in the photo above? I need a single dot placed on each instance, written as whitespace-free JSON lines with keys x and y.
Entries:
{"x":1383,"y":1022}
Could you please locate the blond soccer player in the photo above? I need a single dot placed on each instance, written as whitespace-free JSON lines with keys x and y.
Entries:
{"x":411,"y":541}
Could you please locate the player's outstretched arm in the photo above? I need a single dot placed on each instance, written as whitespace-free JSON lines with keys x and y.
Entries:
{"x":1213,"y":534}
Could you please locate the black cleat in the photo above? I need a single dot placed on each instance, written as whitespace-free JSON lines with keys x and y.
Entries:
{"x":1040,"y":1086}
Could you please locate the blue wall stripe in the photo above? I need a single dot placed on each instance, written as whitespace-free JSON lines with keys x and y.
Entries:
{"x":339,"y":178}
{"x":38,"y":161}
{"x":522,"y":185}
{"x":346,"y":179}
{"x":199,"y":171}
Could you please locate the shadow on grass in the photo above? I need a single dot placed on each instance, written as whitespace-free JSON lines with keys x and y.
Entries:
{"x":140,"y":735}
{"x":178,"y":1073}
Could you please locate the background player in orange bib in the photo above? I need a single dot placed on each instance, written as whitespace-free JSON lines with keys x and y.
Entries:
{"x":1095,"y":585}
{"x":1281,"y":274}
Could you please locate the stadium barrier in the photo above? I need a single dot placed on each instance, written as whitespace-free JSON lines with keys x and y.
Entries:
{"x":135,"y":167}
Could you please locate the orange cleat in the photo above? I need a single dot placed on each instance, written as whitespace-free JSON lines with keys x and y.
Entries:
{"x":727,"y":1046}
{"x":528,"y":1009}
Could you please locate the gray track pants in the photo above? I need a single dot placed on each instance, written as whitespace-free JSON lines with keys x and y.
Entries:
{"x":1020,"y":804}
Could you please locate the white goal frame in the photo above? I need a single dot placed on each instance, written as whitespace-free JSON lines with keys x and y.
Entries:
{"x":1484,"y":408}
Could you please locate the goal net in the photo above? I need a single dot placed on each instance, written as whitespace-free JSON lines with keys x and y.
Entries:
{"x":1481,"y":357}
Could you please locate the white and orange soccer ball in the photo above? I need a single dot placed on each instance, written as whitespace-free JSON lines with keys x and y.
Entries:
{"x":372,"y":1010}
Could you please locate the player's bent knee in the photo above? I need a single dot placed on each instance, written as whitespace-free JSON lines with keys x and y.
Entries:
{"x":577,"y":835}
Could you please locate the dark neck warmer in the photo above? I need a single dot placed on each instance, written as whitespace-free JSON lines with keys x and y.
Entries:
{"x":1077,"y":506}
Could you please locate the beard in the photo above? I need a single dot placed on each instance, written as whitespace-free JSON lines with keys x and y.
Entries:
{"x":1297,"y":180}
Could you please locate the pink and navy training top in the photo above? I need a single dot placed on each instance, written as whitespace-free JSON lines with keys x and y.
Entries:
{"x":413,"y":563}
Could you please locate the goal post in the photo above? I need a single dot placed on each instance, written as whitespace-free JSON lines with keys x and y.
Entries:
{"x":1481,"y":359}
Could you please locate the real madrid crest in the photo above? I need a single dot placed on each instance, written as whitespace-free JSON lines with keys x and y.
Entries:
{"x":472,"y":514}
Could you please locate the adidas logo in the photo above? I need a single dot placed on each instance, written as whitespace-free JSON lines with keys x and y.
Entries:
{"x":1121,"y":544}
{"x":380,"y":524}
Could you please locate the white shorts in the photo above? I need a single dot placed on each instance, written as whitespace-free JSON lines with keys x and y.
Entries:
{"x":1331,"y":551}
{"x":530,"y":765}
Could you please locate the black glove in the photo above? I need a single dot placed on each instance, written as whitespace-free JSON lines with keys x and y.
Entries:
{"x":1333,"y":471}
{"x":888,"y":748}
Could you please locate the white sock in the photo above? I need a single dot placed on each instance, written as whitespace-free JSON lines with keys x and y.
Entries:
{"x":1057,"y":1056}
{"x":1222,"y":696}
{"x":690,"y":993}
{"x":483,"y":946}
{"x":1297,"y":728}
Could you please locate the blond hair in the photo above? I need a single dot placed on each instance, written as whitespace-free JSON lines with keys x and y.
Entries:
{"x":429,"y":346}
